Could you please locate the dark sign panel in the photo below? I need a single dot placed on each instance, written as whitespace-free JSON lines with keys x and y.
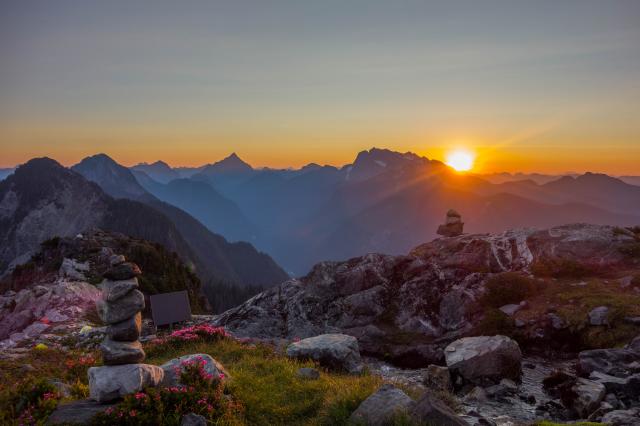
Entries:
{"x":169,"y":308}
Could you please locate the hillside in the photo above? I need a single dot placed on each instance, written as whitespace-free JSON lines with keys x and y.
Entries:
{"x":43,"y":200}
{"x":216,"y":259}
{"x":163,"y":270}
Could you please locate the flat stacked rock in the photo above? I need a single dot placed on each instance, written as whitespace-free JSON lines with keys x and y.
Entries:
{"x":452,"y":226}
{"x":120,"y":307}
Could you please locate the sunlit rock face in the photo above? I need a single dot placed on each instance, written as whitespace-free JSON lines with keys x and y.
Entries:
{"x":406,"y":307}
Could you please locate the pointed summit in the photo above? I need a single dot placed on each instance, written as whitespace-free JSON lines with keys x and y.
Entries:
{"x":232,"y":163}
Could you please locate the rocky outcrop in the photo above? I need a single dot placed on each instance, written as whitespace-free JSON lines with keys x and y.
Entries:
{"x":406,"y":308}
{"x":484,"y":359}
{"x":31,"y":312}
{"x":335,"y":351}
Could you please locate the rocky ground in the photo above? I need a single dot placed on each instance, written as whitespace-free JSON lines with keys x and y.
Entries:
{"x":555,"y":313}
{"x":577,"y":287}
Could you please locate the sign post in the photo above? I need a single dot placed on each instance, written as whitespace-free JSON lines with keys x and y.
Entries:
{"x":169,"y":308}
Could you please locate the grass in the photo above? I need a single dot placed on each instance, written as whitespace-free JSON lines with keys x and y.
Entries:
{"x":262,"y":381}
{"x":269,"y":390}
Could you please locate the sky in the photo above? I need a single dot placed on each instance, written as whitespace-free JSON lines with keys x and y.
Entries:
{"x":547,"y":86}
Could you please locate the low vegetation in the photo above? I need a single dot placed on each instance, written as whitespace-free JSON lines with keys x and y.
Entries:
{"x":263,"y":389}
{"x":558,"y":267}
{"x":506,"y":288}
{"x":571,"y":300}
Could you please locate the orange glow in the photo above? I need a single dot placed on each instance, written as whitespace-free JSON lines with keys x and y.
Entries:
{"x":461,"y":160}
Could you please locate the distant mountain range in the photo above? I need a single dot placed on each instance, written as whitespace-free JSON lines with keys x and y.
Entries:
{"x":43,"y":199}
{"x":384,"y":201}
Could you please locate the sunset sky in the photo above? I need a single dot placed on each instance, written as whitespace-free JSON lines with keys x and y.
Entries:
{"x":528,"y":86}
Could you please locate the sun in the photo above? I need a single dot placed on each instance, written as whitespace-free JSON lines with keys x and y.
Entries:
{"x":461,"y":160}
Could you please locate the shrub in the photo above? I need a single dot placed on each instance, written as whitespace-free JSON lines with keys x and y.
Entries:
{"x":77,"y":367}
{"x":180,"y":338}
{"x":509,"y":287}
{"x":30,"y":402}
{"x":631,"y":249}
{"x":560,"y":268}
{"x":495,"y":322}
{"x":200,"y":393}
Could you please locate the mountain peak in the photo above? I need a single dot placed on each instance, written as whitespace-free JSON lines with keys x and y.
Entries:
{"x":115,"y":179}
{"x":232,"y":163}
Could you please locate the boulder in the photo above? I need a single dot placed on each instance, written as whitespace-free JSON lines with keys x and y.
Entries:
{"x":335,"y":351}
{"x":308,"y":373}
{"x":174,"y":367}
{"x":115,"y":290}
{"x":627,"y":386}
{"x":622,"y":417}
{"x":73,"y":269}
{"x":127,"y":330}
{"x":126,"y":307}
{"x":431,"y":411}
{"x":109,"y":383}
{"x":615,"y":362}
{"x":123,"y":271}
{"x":117,"y":353}
{"x":76,"y":412}
{"x":484,"y":359}
{"x":599,"y":315}
{"x":116,"y":259}
{"x":193,"y":419}
{"x":511,"y":309}
{"x":380,"y":407}
{"x":438,"y":378}
{"x":588,"y":395}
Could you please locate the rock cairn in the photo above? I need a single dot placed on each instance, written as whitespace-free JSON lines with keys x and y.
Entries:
{"x":453,"y":225}
{"x":119,"y":307}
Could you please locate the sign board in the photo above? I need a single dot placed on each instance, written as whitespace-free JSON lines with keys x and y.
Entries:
{"x":169,"y":308}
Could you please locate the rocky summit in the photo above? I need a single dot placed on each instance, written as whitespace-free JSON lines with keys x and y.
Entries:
{"x":406,"y":308}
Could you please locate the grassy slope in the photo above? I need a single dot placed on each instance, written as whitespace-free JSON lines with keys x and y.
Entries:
{"x":271,"y":393}
{"x":264,"y":382}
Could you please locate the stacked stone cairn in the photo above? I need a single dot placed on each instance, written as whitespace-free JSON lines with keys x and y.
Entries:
{"x":453,"y":225}
{"x":119,"y":307}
